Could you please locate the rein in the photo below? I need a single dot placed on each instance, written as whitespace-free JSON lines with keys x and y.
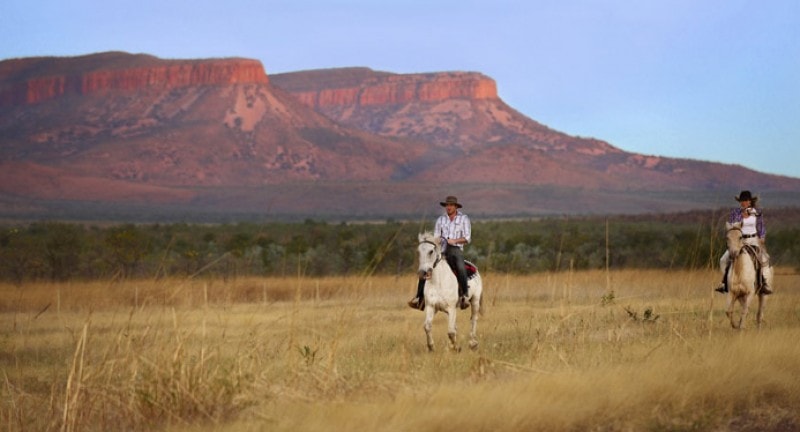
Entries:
{"x":435,"y":246}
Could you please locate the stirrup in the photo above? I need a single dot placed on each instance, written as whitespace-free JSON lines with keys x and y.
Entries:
{"x":417,"y":303}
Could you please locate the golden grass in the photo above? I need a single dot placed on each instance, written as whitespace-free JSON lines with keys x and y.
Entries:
{"x":625,"y":350}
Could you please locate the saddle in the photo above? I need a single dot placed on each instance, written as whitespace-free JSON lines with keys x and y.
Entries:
{"x":472,"y":269}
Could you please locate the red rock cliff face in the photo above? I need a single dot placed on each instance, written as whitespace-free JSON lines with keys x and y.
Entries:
{"x":384,"y":89}
{"x":29,"y":82}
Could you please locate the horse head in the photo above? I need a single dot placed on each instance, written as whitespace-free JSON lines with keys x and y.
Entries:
{"x":429,"y":253}
{"x":734,"y":238}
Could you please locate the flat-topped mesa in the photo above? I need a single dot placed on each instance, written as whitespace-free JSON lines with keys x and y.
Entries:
{"x":384,"y":88}
{"x":29,"y":81}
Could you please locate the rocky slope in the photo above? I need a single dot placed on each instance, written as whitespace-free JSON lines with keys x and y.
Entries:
{"x":476,"y":137}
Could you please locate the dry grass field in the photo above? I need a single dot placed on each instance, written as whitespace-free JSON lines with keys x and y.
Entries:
{"x":620,"y":351}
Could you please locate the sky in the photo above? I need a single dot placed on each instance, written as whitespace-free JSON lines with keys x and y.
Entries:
{"x":714,"y":80}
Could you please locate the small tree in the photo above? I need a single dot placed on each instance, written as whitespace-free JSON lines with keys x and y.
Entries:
{"x":127,"y":246}
{"x":62,"y":249}
{"x":19,"y":254}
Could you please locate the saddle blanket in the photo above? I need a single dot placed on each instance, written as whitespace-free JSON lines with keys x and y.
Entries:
{"x":472,"y":269}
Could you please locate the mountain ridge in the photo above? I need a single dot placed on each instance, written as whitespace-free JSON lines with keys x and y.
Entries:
{"x":219,"y":136}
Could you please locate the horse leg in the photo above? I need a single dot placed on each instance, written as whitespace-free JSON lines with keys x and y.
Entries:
{"x":730,"y":306}
{"x":745,"y":308}
{"x":760,"y":312}
{"x":430,"y":311}
{"x":473,"y":333}
{"x":451,"y":328}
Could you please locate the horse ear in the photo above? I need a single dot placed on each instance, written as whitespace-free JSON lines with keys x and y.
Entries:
{"x":421,"y":236}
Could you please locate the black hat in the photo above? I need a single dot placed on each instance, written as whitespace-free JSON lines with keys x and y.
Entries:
{"x":450,"y":200}
{"x":745,"y":195}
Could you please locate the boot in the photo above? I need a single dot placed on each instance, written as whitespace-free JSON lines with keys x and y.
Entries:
{"x":463,"y":291}
{"x":418,"y":302}
{"x":765,"y":288}
{"x":463,"y":301}
{"x":766,"y":278}
{"x":723,"y":286}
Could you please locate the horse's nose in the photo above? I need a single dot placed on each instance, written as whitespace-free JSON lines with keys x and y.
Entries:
{"x":424,"y":273}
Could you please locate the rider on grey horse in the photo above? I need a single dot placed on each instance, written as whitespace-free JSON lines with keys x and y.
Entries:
{"x":455,"y":231}
{"x":754,"y":233}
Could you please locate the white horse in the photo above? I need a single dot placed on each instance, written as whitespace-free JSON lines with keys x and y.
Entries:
{"x":441,"y":291}
{"x":742,"y":277}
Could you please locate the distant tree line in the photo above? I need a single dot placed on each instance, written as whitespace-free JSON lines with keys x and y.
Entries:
{"x":58,"y":251}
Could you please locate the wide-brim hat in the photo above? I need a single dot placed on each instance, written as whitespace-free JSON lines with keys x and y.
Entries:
{"x":745,"y":195}
{"x":450,"y":200}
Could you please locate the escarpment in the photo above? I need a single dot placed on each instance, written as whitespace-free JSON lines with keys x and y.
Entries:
{"x":323,"y":89}
{"x":33,"y":80}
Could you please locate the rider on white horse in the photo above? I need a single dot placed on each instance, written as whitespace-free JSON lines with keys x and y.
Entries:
{"x":754,"y":233}
{"x":455,"y":231}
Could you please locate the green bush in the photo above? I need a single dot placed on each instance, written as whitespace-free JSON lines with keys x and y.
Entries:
{"x":61,"y":251}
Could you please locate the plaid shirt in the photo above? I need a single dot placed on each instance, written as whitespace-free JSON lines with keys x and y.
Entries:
{"x":453,"y":229}
{"x":737,"y":214}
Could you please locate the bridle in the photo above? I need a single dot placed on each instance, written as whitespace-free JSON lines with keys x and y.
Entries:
{"x":435,"y":246}
{"x":737,"y":228}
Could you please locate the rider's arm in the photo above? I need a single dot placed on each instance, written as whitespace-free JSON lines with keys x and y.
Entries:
{"x":735,"y":215}
{"x":438,"y":229}
{"x":467,"y":230}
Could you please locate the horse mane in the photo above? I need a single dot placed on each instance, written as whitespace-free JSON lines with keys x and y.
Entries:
{"x":734,"y":225}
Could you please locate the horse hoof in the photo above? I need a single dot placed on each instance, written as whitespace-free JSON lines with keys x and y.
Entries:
{"x":473,"y":345}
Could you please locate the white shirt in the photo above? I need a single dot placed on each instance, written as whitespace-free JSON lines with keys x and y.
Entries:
{"x":749,"y":225}
{"x":452,"y":229}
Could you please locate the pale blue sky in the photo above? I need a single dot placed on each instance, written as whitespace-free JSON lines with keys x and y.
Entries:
{"x":714,"y":80}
